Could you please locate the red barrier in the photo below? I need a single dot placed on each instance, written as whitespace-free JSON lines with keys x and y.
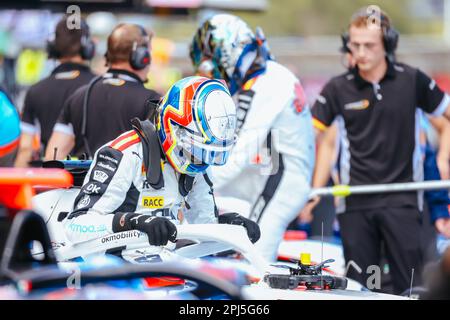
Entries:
{"x":295,"y":235}
{"x":16,"y":185}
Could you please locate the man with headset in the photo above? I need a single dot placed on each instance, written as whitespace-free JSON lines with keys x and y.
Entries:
{"x":376,"y":106}
{"x":97,"y":113}
{"x":44,"y":100}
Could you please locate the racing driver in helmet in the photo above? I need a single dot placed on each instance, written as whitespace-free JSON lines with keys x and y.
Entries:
{"x":154,"y":177}
{"x":271,"y":164}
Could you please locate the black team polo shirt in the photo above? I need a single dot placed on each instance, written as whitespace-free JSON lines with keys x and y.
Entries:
{"x":379,"y":130}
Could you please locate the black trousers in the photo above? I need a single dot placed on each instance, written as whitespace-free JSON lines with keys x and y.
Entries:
{"x":399,"y":230}
{"x":325,"y":213}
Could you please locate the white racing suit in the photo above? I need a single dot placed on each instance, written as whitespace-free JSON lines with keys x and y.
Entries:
{"x":116,"y":182}
{"x":271,"y":165}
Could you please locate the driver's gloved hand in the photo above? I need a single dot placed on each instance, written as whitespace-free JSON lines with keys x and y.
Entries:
{"x":159,"y":230}
{"x":252,"y":227}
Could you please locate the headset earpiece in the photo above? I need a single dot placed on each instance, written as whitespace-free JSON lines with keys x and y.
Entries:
{"x":51,"y":50}
{"x":87,"y":46}
{"x":345,"y":39}
{"x":391,"y":37}
{"x":140,"y":55}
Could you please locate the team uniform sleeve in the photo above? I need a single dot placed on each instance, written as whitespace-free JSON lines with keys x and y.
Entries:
{"x":201,"y":203}
{"x":430,"y":98}
{"x":29,"y":117}
{"x":326,"y":108}
{"x":104,"y":191}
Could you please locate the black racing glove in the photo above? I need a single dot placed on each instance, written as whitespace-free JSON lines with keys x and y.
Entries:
{"x":159,"y":230}
{"x":252,"y":227}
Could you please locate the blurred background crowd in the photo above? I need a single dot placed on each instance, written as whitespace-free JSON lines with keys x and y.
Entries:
{"x":304,"y":35}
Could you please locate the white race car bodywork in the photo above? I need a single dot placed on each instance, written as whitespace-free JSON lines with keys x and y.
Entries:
{"x":208,"y":239}
{"x":49,"y":205}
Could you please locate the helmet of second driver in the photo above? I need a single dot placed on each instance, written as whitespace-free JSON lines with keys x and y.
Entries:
{"x":196,"y":124}
{"x":227,"y":48}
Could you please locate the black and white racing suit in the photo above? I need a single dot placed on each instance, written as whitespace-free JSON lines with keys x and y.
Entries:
{"x":272,"y":115}
{"x":116,"y":182}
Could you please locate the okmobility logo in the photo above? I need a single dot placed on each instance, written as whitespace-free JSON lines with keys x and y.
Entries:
{"x":122,"y":235}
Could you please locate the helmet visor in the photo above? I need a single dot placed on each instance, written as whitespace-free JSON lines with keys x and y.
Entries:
{"x":199,"y":152}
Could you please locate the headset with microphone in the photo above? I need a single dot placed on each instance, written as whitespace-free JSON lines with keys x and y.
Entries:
{"x":390,"y":36}
{"x":87,"y":46}
{"x":140,"y":56}
{"x":139,"y":59}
